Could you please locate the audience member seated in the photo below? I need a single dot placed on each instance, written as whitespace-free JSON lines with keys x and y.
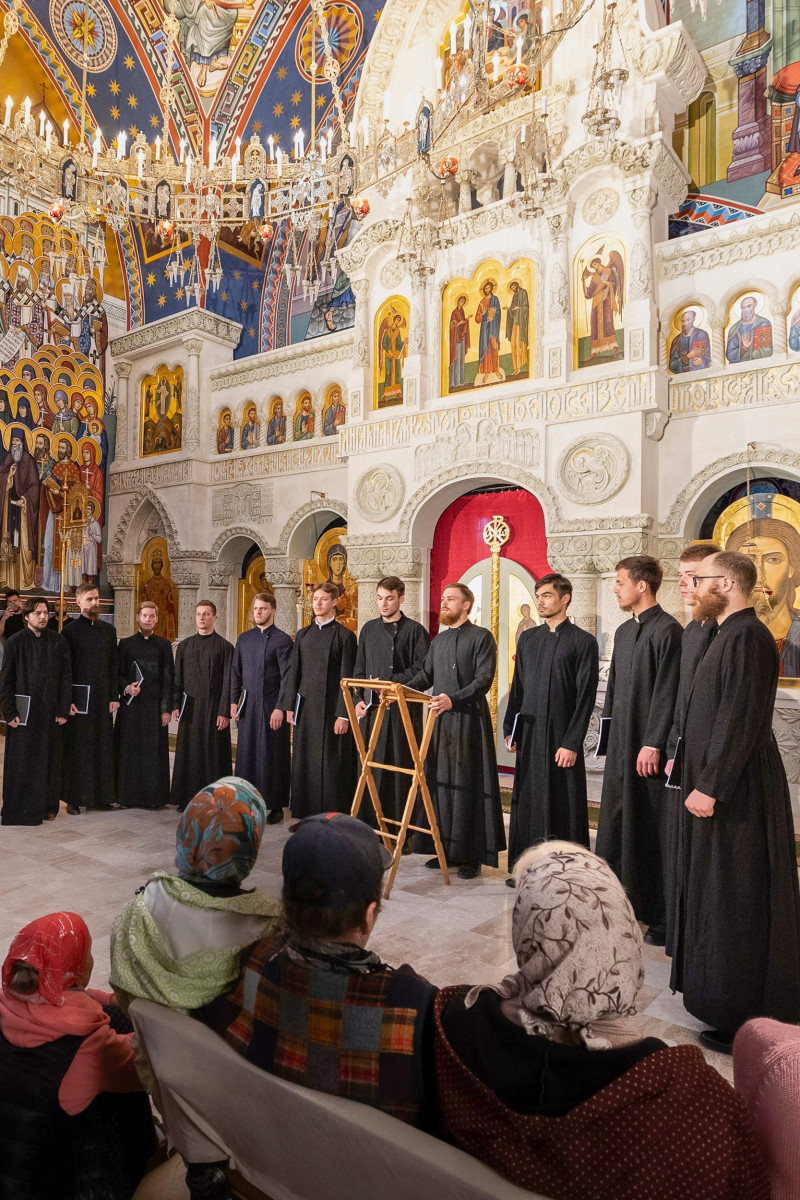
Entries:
{"x":179,"y":941}
{"x":766,"y":1073}
{"x":543,"y":1077}
{"x":317,"y":1008}
{"x":66,"y":1130}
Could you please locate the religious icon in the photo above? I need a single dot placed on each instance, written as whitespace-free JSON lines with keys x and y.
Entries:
{"x":251,"y":428}
{"x":330,"y":564}
{"x":154,"y":583}
{"x":766,"y":527}
{"x":391,"y":326}
{"x":225,"y":432}
{"x":276,"y":429}
{"x":256,"y":198}
{"x":599,"y":300}
{"x":480,"y":348}
{"x":161,"y":411}
{"x":749,"y":336}
{"x":69,"y":179}
{"x":163,"y":200}
{"x":19,"y":509}
{"x":304,"y":418}
{"x":334,"y":412}
{"x":690,"y":346}
{"x":794,"y":322}
{"x":254,"y":581}
{"x":347,"y":175}
{"x":424,"y":128}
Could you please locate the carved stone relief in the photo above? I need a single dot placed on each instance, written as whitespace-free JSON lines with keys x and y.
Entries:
{"x":593,"y":469}
{"x":379,"y":493}
{"x":600,"y":206}
{"x":483,"y":440}
{"x":246,"y":501}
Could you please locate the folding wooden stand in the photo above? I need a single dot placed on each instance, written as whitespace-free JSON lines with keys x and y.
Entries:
{"x":394,"y":693}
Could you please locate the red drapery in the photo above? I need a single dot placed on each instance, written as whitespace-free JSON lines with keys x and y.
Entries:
{"x":458,"y":541}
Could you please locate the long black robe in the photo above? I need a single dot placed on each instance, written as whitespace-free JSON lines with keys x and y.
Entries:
{"x":640,"y":700}
{"x":263,"y":755}
{"x":140,"y":740}
{"x":697,"y":637}
{"x":393,"y":650}
{"x":737,"y":945}
{"x":324,"y":768}
{"x":38,"y":667}
{"x":461,"y":768}
{"x":89,"y":740}
{"x":203,"y":752}
{"x":553,"y":693}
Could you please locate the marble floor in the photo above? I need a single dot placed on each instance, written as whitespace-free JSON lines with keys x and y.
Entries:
{"x":93,"y":863}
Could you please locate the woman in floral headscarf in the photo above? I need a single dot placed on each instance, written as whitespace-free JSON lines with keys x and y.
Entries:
{"x":66,"y":1130}
{"x":179,"y":940}
{"x":545,"y":1076}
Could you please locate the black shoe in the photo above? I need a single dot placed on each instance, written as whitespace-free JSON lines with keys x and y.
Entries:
{"x":275,"y":816}
{"x":469,"y":870}
{"x":510,"y":882}
{"x":104,"y":807}
{"x":73,"y":810}
{"x":433,"y":864}
{"x":407,"y":848}
{"x":656,"y":935}
{"x":715,"y":1039}
{"x":50,"y":816}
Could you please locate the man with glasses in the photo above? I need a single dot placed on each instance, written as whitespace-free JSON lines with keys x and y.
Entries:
{"x":737,"y":941}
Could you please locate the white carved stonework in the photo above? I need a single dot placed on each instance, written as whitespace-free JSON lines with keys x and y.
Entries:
{"x":758,"y":456}
{"x":355,"y":404}
{"x":655,"y":423}
{"x":156,"y":476}
{"x":172,"y":328}
{"x":559,"y":292}
{"x":593,"y":468}
{"x":786,"y":727}
{"x":246,"y":501}
{"x":276,"y":462}
{"x":641,"y":283}
{"x":335,"y":348}
{"x":379,"y":493}
{"x":483,"y":440}
{"x":411,"y":393}
{"x":554,"y":362}
{"x":392,"y":274}
{"x":754,"y":388}
{"x":636,"y":345}
{"x":600,"y":206}
{"x":735,"y":243}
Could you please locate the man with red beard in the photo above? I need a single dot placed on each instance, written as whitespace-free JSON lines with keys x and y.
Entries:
{"x":737,"y":939}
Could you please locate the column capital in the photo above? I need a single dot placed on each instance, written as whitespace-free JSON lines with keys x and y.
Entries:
{"x":193,"y":346}
{"x":123,"y":369}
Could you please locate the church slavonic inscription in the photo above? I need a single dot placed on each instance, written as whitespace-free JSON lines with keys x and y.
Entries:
{"x":161,"y":476}
{"x":306,"y":458}
{"x":246,"y":502}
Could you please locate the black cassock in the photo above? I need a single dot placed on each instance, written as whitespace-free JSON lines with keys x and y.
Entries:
{"x":89,"y":740}
{"x":640,"y":700}
{"x":696,"y":639}
{"x":141,"y":741}
{"x":461,"y":768}
{"x":737,"y":943}
{"x":553,"y":693}
{"x":323,"y":762}
{"x":393,"y":650}
{"x":39,"y":667}
{"x":263,"y":755}
{"x":203,"y":752}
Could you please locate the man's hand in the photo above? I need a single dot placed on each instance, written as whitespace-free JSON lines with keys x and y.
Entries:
{"x":73,"y":712}
{"x":511,"y":747}
{"x":176,"y":714}
{"x":222,"y":723}
{"x":113,"y":706}
{"x":441,"y":703}
{"x":61,"y":720}
{"x":361,"y":709}
{"x":669,"y":766}
{"x":565,"y":758}
{"x":699,"y":804}
{"x":290,"y":716}
{"x":233,"y":710}
{"x":132,"y":689}
{"x":13,"y":724}
{"x":165,"y":719}
{"x":647,"y":762}
{"x":341,"y":725}
{"x":276,"y":718}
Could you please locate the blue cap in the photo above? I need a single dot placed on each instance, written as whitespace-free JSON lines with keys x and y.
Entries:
{"x":332,"y":860}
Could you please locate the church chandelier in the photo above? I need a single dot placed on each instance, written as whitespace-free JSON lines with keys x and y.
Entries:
{"x":87,"y":185}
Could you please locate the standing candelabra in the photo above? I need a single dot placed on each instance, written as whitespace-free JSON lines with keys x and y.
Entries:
{"x":495,"y":534}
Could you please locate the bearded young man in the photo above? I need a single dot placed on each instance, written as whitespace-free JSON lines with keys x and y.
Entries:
{"x":737,"y":939}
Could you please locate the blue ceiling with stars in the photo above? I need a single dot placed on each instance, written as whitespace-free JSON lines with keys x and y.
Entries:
{"x":241,"y":67}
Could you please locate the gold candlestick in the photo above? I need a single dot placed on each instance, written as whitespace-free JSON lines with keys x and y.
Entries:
{"x":495,"y":534}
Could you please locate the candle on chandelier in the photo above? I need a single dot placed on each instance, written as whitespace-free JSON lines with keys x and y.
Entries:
{"x":140,"y":157}
{"x":330,"y":140}
{"x":41,"y":123}
{"x":271,"y":144}
{"x":301,"y":141}
{"x":27,"y":112}
{"x":453,"y":33}
{"x":519,"y":50}
{"x":158,"y":149}
{"x":523,"y":134}
{"x":122,"y":138}
{"x":48,"y":132}
{"x":439,"y":74}
{"x":66,"y":131}
{"x":595,"y":34}
{"x":9,"y":106}
{"x":96,"y":147}
{"x":495,"y":67}
{"x":544,"y":106}
{"x":323,"y":150}
{"x":467,"y":29}
{"x":233,"y":170}
{"x":279,"y":158}
{"x":238,"y":144}
{"x":188,"y":168}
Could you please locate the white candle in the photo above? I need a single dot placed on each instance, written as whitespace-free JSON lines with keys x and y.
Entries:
{"x":544,"y":106}
{"x":495,"y":67}
{"x":158,"y":149}
{"x":96,"y":147}
{"x":301,"y":141}
{"x":557,"y":9}
{"x":9,"y":106}
{"x":523,"y":134}
{"x":41,"y":123}
{"x":238,"y":156}
{"x":66,"y":131}
{"x":122,"y":138}
{"x":453,"y":32}
{"x":438,"y":75}
{"x":271,"y":144}
{"x":279,"y":159}
{"x":140,"y":156}
{"x":182,"y":150}
{"x":188,"y":167}
{"x":330,"y":140}
{"x":27,"y":112}
{"x":595,"y":34}
{"x":467,"y":29}
{"x":519,"y":50}
{"x":212,"y":153}
{"x":323,"y":150}
{"x":48,"y":132}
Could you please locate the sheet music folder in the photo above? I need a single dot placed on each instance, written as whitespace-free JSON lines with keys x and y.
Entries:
{"x":602,"y":739}
{"x":80,"y":698}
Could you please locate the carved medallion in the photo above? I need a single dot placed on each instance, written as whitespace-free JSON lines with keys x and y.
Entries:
{"x":593,"y":469}
{"x":379,"y":493}
{"x":600,"y":206}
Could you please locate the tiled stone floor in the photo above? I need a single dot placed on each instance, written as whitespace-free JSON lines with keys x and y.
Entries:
{"x":93,"y":863}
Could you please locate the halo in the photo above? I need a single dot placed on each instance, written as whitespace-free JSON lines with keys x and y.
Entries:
{"x":92,"y":503}
{"x":51,"y":392}
{"x":59,"y":382}
{"x":46,"y":353}
{"x":7,"y":432}
{"x":27,"y":269}
{"x":40,"y":429}
{"x":96,"y":452}
{"x":57,"y":437}
{"x":750,"y":508}
{"x":27,"y":362}
{"x":32,"y":404}
{"x":76,"y":392}
{"x":96,"y":399}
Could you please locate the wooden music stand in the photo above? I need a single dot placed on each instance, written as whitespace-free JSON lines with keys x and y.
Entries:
{"x":399,"y":694}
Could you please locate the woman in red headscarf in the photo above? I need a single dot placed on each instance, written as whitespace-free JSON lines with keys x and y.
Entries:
{"x":63,"y":1131}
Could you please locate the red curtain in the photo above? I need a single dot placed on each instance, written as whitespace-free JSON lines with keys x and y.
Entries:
{"x":458,"y":541}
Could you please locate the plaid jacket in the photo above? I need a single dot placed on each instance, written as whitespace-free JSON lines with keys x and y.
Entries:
{"x":368,"y":1037}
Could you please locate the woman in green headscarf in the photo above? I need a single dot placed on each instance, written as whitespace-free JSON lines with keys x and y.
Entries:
{"x":179,"y":940}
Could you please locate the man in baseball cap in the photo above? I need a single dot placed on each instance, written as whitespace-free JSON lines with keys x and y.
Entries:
{"x":316,"y":1006}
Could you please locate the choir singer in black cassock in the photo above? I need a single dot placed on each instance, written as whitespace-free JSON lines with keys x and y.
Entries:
{"x":552,"y":697}
{"x":201,"y":705}
{"x":461,"y":768}
{"x":323,"y":754}
{"x":89,"y":737}
{"x":640,"y":702}
{"x":392,"y":647}
{"x":36,"y":665}
{"x":263,"y":746}
{"x":694,"y":643}
{"x":141,"y":732}
{"x":737,"y":944}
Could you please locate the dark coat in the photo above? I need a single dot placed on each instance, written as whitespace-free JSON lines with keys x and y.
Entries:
{"x":141,"y":741}
{"x":203,"y":752}
{"x":737,"y":942}
{"x":263,"y":755}
{"x":89,"y":739}
{"x":553,"y":694}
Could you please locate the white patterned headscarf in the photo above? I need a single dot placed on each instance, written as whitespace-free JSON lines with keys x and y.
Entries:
{"x":578,"y":948}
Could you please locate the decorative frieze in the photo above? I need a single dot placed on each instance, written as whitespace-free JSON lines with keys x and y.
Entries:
{"x":161,"y":475}
{"x":287,"y":361}
{"x":174,"y":328}
{"x":282,"y":462}
{"x":594,"y":468}
{"x":478,"y":439}
{"x":754,"y":388}
{"x":245,"y":502}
